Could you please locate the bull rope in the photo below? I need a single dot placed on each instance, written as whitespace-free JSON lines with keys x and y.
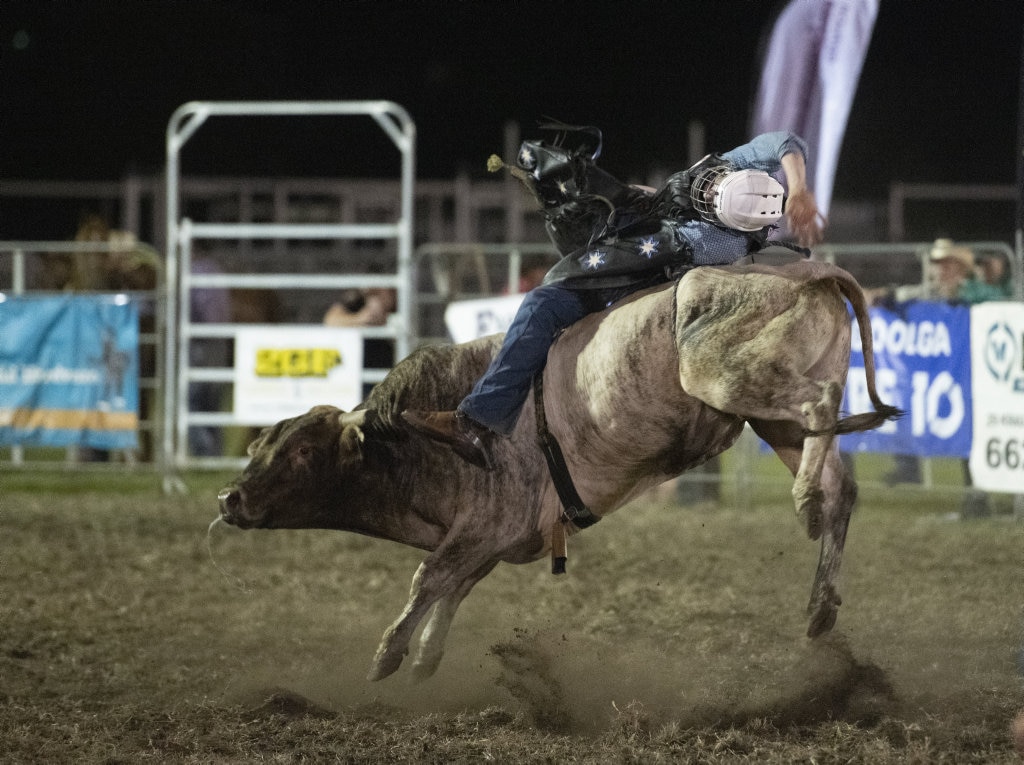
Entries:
{"x":573,"y":508}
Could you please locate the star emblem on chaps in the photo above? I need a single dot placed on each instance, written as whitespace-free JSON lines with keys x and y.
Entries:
{"x":648,"y":247}
{"x":593,"y":259}
{"x":526,"y":158}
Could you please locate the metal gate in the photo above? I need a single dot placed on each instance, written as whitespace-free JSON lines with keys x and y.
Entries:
{"x":182,"y":234}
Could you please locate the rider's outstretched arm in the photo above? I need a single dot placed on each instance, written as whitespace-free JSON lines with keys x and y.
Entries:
{"x":802,"y":214}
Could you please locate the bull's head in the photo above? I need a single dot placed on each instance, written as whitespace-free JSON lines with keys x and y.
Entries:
{"x":296,"y":471}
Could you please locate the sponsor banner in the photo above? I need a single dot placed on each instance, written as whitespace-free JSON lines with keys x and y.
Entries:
{"x":923,"y":366}
{"x":69,"y":371}
{"x":284,"y":371}
{"x":997,"y":351}
{"x":469,"y":319}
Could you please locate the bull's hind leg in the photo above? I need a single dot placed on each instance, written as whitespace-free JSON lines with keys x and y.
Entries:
{"x":835,"y":494}
{"x":804,"y":454}
{"x":823,"y":495}
{"x":839,"y":494}
{"x":808,"y":494}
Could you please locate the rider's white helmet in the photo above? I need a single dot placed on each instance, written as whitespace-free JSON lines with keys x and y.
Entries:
{"x":746,"y":200}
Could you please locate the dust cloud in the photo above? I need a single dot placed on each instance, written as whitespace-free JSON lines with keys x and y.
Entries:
{"x":573,"y":684}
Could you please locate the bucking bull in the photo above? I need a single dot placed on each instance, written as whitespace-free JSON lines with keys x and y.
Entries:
{"x":635,"y":395}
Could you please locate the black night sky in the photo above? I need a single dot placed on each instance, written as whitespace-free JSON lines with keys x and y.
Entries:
{"x":88,"y":87}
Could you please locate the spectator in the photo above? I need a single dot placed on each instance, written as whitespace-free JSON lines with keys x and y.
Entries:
{"x":87,"y":268}
{"x":120,"y":263}
{"x":361,"y":308}
{"x":207,"y":305}
{"x":249,"y":306}
{"x":993,"y":282}
{"x":366,"y":308}
{"x":532,"y":272}
{"x":129,"y":265}
{"x":949,"y":276}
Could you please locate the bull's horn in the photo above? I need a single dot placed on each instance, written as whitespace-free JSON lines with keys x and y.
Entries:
{"x":351,"y":438}
{"x":356,"y":419}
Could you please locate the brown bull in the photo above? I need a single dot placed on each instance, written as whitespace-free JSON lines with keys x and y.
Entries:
{"x":635,"y":395}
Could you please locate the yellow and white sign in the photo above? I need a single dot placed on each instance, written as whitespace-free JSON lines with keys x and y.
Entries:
{"x":997,"y":380}
{"x":284,"y":371}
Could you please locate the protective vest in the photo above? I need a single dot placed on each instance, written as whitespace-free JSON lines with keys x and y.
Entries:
{"x":634,"y":243}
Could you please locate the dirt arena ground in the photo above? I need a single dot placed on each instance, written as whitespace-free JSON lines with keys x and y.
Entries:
{"x":132,"y":635}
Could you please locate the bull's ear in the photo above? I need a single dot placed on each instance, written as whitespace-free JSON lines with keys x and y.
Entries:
{"x":350,"y":446}
{"x":323,"y":409}
{"x":257,"y":442}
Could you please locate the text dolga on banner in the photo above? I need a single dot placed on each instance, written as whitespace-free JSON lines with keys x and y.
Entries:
{"x":284,"y":371}
{"x":923,"y":366}
{"x":997,"y":350}
{"x":69,"y":371}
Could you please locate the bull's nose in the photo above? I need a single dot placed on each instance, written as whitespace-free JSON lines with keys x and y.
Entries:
{"x":229,"y":501}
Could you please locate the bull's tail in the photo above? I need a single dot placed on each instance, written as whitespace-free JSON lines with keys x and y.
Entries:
{"x":852,"y":291}
{"x":867,"y":420}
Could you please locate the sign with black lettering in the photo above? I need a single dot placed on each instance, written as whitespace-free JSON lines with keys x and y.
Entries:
{"x":997,"y":369}
{"x":469,"y":319}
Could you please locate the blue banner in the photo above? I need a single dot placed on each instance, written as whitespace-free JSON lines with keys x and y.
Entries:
{"x":69,"y":371}
{"x":923,"y":361}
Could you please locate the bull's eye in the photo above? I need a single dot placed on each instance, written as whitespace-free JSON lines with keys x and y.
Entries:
{"x":305,"y":450}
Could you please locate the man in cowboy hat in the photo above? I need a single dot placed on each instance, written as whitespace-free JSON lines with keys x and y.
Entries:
{"x":952,"y":268}
{"x":949,"y":276}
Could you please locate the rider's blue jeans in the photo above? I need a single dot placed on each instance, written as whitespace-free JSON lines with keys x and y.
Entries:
{"x":498,"y":397}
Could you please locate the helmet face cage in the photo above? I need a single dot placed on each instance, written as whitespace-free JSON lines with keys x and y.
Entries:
{"x":745,"y":200}
{"x":704,"y":192}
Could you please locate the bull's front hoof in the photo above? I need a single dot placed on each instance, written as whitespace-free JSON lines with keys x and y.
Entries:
{"x":424,"y":669}
{"x":384,"y":666}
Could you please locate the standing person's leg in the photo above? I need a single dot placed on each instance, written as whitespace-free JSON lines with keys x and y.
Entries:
{"x":906,"y":469}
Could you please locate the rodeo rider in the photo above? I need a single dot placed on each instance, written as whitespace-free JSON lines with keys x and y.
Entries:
{"x":616,"y":239}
